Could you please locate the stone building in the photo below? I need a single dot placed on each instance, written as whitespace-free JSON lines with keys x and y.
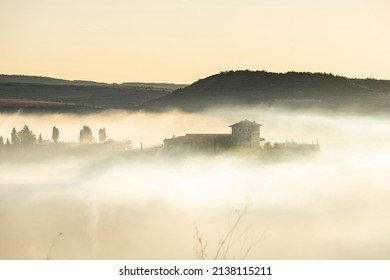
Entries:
{"x":245,"y":134}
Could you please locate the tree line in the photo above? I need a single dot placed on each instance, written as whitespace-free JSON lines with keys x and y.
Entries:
{"x":26,"y":137}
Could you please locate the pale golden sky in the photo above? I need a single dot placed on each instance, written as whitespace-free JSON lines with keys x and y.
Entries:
{"x":182,"y":41}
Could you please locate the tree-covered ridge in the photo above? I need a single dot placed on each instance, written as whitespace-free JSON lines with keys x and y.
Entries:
{"x":256,"y":87}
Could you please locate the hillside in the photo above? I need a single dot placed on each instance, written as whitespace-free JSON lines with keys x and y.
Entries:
{"x":43,"y":94}
{"x":23,"y":105}
{"x":292,"y":89}
{"x":23,"y":79}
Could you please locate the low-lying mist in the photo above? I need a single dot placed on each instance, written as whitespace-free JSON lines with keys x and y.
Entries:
{"x":90,"y":203}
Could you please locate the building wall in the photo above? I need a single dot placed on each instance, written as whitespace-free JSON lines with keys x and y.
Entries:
{"x":204,"y":142}
{"x":246,"y":136}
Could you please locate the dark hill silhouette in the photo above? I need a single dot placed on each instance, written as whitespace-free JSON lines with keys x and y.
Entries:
{"x":23,"y":79}
{"x":299,"y":91}
{"x":99,"y":97}
{"x":260,"y":87}
{"x":163,"y":86}
{"x":43,"y":94}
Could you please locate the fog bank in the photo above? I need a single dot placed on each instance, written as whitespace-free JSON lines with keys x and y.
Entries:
{"x":332,"y":205}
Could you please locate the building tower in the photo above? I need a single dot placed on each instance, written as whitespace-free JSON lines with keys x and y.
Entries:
{"x":246,"y":134}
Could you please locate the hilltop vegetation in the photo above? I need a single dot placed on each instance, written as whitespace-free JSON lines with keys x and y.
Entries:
{"x":292,"y":89}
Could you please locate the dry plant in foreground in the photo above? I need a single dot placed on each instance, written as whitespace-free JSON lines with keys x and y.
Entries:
{"x":235,"y":237}
{"x":48,"y":255}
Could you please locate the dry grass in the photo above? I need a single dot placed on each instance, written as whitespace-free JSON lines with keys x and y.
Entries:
{"x":49,"y":252}
{"x":235,"y":239}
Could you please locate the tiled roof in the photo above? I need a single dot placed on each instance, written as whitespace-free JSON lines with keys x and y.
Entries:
{"x":246,"y":123}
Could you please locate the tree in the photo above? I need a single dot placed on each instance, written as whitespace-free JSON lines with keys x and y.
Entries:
{"x":55,"y":134}
{"x":102,"y":134}
{"x":14,"y":137}
{"x":85,"y":135}
{"x":26,"y":137}
{"x":8,"y":142}
{"x":40,"y":140}
{"x":1,"y":141}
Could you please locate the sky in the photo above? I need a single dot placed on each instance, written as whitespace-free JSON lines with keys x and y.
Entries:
{"x":182,"y":41}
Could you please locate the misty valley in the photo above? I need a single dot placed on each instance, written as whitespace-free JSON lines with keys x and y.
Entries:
{"x":126,"y":196}
{"x":194,"y":130}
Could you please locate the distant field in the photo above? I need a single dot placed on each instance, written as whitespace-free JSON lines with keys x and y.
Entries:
{"x":34,"y":93}
{"x":15,"y":96}
{"x":31,"y":103}
{"x":26,"y":105}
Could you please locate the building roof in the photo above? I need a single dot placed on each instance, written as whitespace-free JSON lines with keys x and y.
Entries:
{"x":198,"y":136}
{"x":246,"y":123}
{"x":203,"y":137}
{"x":206,"y":135}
